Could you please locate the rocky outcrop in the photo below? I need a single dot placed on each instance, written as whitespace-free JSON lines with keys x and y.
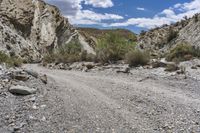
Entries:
{"x":31,"y":27}
{"x":190,"y":33}
{"x":163,"y":38}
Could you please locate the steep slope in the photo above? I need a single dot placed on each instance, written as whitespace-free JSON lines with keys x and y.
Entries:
{"x":33,"y":25}
{"x":163,"y":38}
{"x":191,"y":32}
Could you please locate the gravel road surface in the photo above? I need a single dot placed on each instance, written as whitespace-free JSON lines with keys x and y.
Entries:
{"x":120,"y":103}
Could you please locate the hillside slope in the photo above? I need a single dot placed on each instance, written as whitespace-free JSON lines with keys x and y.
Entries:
{"x":163,"y":38}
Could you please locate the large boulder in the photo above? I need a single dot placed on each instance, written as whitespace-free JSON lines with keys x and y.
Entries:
{"x":22,"y":90}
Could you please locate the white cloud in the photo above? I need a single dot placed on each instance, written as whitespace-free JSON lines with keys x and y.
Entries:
{"x":144,"y":22}
{"x":99,"y":3}
{"x":88,"y":17}
{"x":140,"y":8}
{"x":167,"y":16}
{"x":73,"y":10}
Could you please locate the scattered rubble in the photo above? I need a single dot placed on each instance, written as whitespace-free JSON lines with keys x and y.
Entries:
{"x":19,"y":96}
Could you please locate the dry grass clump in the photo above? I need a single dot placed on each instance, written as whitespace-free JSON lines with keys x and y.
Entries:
{"x":10,"y":61}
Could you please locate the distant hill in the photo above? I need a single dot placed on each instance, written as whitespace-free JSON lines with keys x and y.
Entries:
{"x":101,"y":32}
{"x":93,"y":34}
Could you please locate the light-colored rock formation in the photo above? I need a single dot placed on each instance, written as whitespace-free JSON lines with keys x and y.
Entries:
{"x":159,"y":40}
{"x":30,"y":27}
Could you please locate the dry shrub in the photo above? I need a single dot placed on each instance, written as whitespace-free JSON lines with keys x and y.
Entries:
{"x":137,"y":58}
{"x":183,"y":52}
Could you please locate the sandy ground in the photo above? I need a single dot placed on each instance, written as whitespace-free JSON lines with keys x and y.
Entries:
{"x":145,"y":101}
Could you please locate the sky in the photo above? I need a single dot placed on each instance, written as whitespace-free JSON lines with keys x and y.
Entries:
{"x":135,"y":15}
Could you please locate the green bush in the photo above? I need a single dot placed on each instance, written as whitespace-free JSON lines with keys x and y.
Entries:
{"x":49,"y":58}
{"x":196,"y":17}
{"x":10,"y":61}
{"x":112,"y":47}
{"x":68,"y":54}
{"x":137,"y":58}
{"x":172,"y":35}
{"x":183,"y":52}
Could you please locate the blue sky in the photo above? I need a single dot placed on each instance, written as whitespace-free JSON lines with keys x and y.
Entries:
{"x":135,"y":15}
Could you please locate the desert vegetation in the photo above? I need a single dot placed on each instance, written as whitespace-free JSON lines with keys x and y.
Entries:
{"x":10,"y":61}
{"x":113,"y":47}
{"x":172,"y":35}
{"x":110,"y":48}
{"x":183,"y":52}
{"x":136,"y":58}
{"x":65,"y":54}
{"x":68,"y":53}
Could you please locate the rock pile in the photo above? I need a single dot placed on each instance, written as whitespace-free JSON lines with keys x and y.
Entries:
{"x":14,"y":79}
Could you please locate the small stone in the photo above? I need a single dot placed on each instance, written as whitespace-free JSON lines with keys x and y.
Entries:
{"x":85,"y":69}
{"x":31,"y":117}
{"x":172,"y":67}
{"x":43,"y":119}
{"x":7,"y":117}
{"x":34,"y":106}
{"x":32,"y":99}
{"x":21,"y":77}
{"x":22,"y":90}
{"x":124,"y":70}
{"x":5,"y":80}
{"x":32,"y":73}
{"x":43,"y":106}
{"x":16,"y":128}
{"x":90,"y":65}
{"x":193,"y":67}
{"x":44,"y":78}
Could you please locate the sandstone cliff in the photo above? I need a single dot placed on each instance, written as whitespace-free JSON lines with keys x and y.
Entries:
{"x":31,"y":27}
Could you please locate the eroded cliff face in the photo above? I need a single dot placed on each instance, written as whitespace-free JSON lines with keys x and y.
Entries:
{"x":31,"y":27}
{"x":160,"y":40}
{"x":191,"y":32}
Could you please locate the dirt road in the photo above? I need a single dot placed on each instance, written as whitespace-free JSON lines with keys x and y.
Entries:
{"x":110,"y":102}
